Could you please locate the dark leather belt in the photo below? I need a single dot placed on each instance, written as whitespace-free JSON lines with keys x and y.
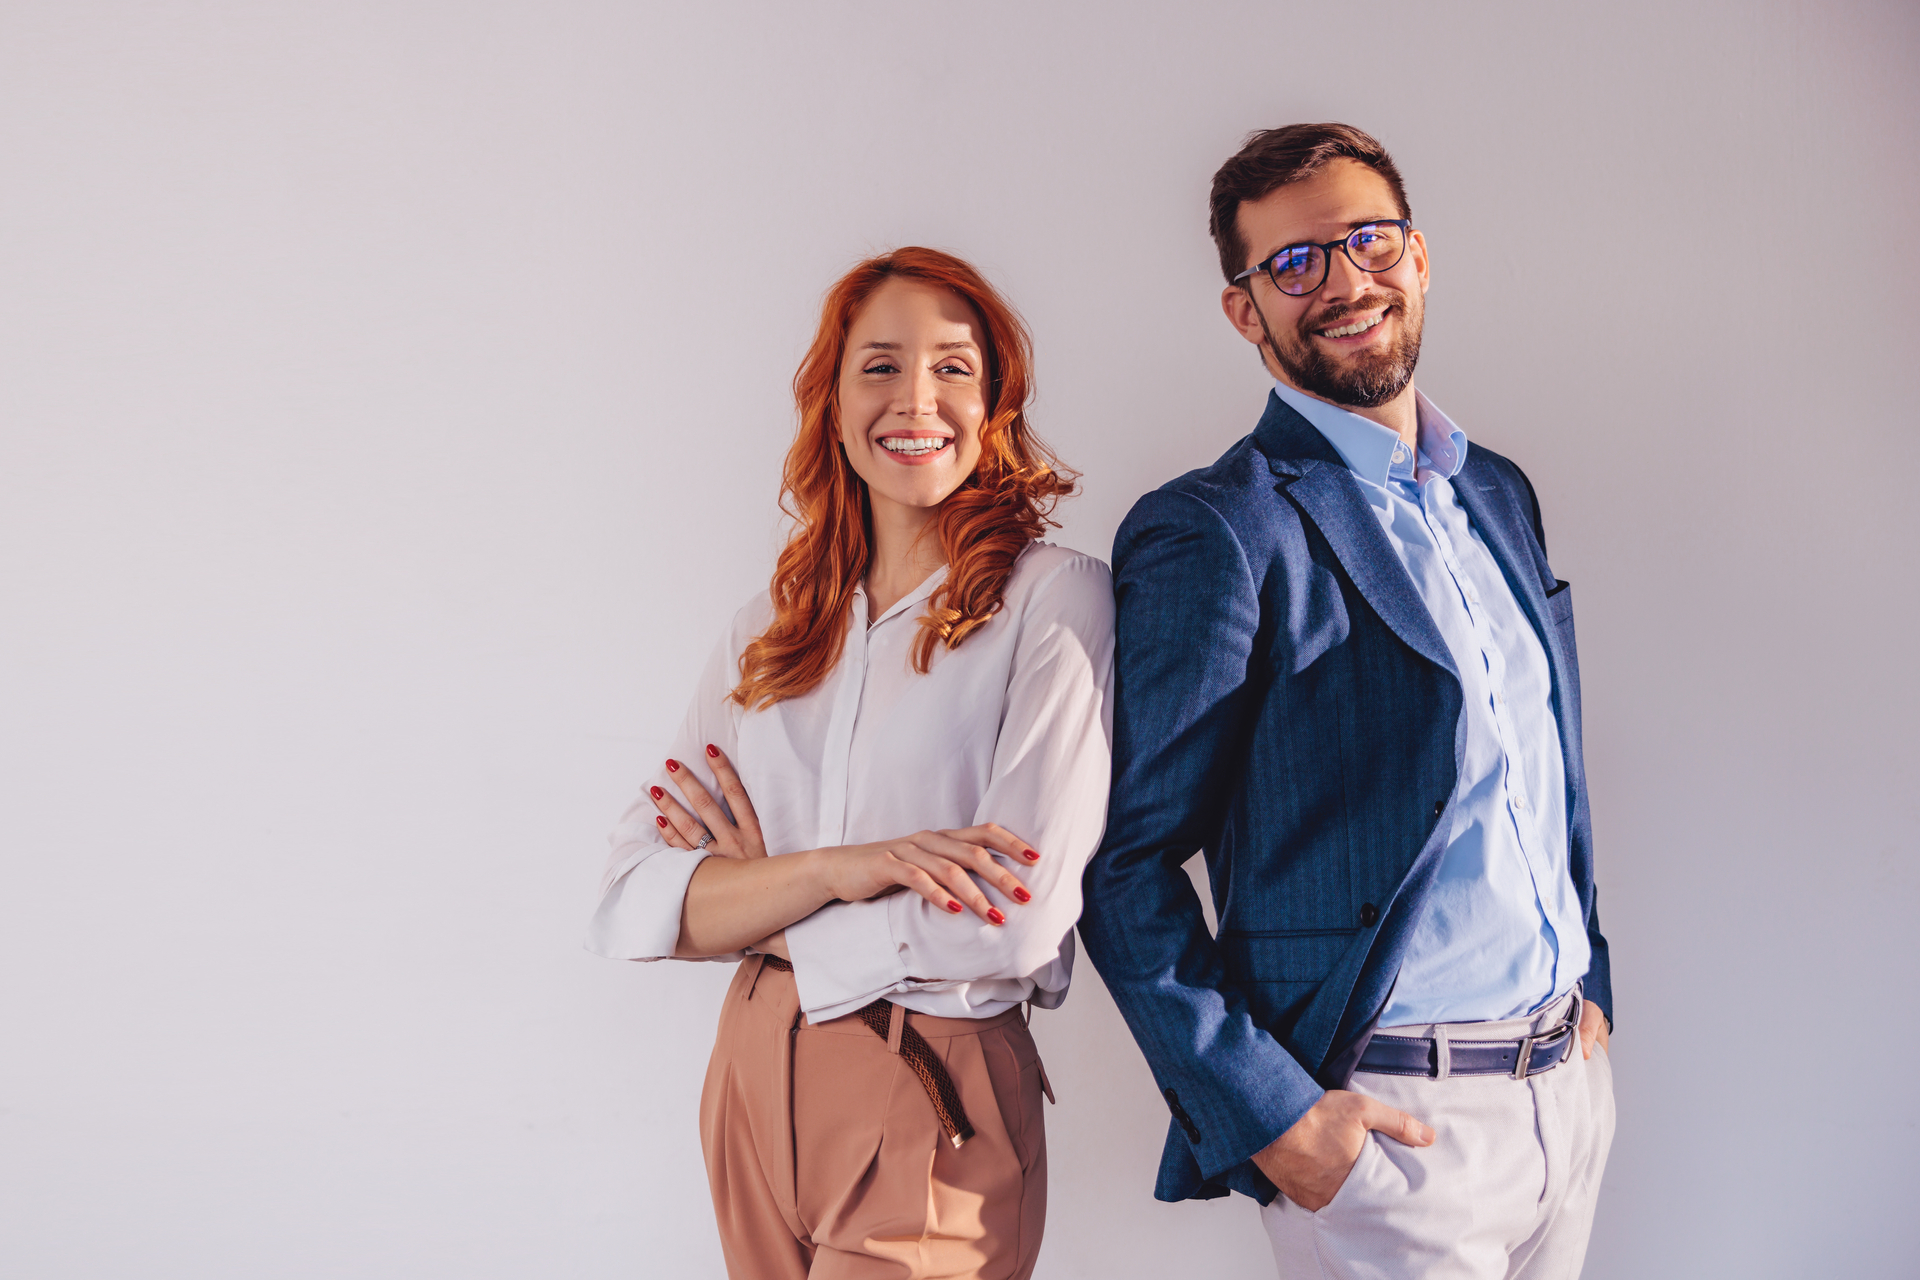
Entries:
{"x":1420,"y":1056}
{"x":921,"y":1059}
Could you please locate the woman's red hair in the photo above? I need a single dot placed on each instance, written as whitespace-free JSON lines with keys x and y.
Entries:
{"x":983,"y":525}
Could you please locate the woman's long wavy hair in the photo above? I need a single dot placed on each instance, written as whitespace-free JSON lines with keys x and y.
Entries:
{"x":983,"y":525}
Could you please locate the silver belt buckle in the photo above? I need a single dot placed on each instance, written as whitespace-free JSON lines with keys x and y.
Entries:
{"x":1525,"y":1058}
{"x":1568,"y":1026}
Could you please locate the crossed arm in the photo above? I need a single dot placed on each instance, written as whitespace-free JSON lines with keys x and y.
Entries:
{"x":742,"y":899}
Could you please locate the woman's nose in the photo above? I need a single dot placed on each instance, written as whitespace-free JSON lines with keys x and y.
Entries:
{"x":922,"y":400}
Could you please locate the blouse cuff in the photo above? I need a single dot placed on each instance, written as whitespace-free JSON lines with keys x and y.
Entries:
{"x":844,"y":958}
{"x":639,"y":915}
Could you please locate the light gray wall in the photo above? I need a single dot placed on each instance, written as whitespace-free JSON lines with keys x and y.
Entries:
{"x":391,"y":404}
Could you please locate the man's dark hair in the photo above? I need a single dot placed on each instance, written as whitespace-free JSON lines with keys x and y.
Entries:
{"x":1270,"y":159}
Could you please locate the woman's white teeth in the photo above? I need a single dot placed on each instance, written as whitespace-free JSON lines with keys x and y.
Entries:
{"x":913,"y":445}
{"x":1358,"y":326}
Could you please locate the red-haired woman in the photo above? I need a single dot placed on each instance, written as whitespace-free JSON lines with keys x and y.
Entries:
{"x":919,"y":712}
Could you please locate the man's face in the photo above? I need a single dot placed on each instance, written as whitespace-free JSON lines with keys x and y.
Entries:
{"x":1354,"y":340}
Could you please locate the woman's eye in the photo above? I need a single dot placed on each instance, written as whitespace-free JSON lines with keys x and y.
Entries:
{"x":882,"y":367}
{"x":959,"y":369}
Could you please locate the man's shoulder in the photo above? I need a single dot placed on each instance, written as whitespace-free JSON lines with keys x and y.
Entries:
{"x":1235,"y":493}
{"x":1485,"y":469}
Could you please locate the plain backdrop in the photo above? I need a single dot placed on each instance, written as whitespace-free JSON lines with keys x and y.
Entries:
{"x":392,"y":400}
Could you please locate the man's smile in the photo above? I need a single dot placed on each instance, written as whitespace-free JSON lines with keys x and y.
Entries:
{"x":1355,"y":327}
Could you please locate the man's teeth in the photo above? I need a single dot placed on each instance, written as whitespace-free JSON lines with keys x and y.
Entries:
{"x":913,"y":445}
{"x":1358,"y":326}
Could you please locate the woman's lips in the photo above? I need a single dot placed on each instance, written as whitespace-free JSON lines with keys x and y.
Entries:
{"x":915,"y":449}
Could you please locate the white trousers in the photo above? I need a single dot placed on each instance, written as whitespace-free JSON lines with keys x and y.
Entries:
{"x":1505,"y":1192}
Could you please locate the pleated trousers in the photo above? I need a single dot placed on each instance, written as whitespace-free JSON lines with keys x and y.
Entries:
{"x":826,"y":1159}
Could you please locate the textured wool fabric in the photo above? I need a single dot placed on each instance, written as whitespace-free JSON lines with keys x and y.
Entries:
{"x":1285,"y":702}
{"x":826,"y":1158}
{"x":1506,"y":1191}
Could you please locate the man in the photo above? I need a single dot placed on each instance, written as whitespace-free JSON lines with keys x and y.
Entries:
{"x":1346,"y":671}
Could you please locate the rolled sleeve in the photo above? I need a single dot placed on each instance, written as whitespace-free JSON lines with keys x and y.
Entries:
{"x":638,"y":917}
{"x":644,"y":889}
{"x":845,"y":956}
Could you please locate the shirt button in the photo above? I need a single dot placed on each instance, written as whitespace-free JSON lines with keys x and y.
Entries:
{"x":1368,"y":914}
{"x":1519,"y":801}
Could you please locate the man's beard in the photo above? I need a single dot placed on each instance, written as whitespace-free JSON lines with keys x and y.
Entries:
{"x":1365,"y":382}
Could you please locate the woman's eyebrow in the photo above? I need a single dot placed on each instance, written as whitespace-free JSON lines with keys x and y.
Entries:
{"x":966,"y":343}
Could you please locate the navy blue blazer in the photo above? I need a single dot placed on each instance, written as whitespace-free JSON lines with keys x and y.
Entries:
{"x":1285,"y":702}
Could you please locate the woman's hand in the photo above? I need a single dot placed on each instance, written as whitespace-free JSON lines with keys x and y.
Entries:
{"x":683,"y":830}
{"x":937,"y":865}
{"x":933,"y":864}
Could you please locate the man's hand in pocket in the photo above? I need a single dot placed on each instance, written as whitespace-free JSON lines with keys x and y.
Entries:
{"x":1310,"y":1161}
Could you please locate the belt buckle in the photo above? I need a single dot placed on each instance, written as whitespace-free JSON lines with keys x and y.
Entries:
{"x":1565,"y":1027}
{"x":1525,"y":1056}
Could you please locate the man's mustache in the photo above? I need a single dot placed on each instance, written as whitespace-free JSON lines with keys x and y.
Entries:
{"x":1337,"y":315}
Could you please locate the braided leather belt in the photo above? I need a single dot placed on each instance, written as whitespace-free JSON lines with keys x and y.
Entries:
{"x":919,"y":1055}
{"x":1520,"y":1058}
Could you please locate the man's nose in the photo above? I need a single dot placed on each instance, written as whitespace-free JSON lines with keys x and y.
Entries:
{"x":1344,"y":280}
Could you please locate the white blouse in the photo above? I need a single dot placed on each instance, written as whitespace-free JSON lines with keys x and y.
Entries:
{"x":1015,"y":726}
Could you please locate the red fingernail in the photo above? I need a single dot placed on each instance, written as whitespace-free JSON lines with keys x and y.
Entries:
{"x":1022,"y":895}
{"x":662,"y":822}
{"x":657,"y":792}
{"x":673,"y":766}
{"x":952,"y":905}
{"x":993,"y":914}
{"x":713,"y":751}
{"x":1031,"y":856}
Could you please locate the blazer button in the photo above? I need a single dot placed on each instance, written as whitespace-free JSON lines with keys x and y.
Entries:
{"x":1368,"y":914}
{"x":1439,"y":807}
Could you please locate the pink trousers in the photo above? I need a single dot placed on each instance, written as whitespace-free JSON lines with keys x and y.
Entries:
{"x":826,"y":1158}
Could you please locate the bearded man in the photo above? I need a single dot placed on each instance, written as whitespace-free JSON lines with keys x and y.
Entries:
{"x":1347,"y":673}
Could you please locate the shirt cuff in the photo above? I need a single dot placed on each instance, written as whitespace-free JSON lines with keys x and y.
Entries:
{"x":844,"y":958}
{"x":639,"y":915}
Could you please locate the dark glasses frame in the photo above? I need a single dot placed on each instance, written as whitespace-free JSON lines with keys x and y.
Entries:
{"x":1344,"y":244}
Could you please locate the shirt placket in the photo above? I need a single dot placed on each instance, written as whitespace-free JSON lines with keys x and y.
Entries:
{"x":1520,"y":808}
{"x":836,"y":753}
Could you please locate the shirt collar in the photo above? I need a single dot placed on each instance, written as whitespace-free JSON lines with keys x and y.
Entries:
{"x":913,"y":597}
{"x":1374,"y":452}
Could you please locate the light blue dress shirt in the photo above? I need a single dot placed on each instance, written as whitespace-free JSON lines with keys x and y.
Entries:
{"x":1503,"y":932}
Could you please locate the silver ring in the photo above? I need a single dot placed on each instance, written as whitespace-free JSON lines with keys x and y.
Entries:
{"x":706,"y":838}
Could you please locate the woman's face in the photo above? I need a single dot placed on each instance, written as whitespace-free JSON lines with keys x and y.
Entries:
{"x":913,"y":393}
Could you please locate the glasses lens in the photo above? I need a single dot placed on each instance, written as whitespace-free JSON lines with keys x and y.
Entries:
{"x":1377,"y":247}
{"x":1298,"y":269}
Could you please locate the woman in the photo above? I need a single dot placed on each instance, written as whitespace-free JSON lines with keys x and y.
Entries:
{"x":893,"y":772}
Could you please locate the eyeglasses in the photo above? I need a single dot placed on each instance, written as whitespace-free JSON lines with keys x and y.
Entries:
{"x":1299,"y":269}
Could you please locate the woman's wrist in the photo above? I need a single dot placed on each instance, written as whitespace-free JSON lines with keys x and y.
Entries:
{"x":817,"y":872}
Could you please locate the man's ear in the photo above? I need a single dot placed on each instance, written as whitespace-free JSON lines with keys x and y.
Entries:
{"x":1237,"y":303}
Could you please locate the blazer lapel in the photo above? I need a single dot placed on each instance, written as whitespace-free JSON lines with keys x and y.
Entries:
{"x":1316,"y":478}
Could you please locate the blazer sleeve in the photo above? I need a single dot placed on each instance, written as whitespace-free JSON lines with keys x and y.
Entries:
{"x":1188,"y":613}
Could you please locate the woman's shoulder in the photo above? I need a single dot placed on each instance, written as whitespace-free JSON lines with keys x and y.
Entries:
{"x":749,"y":620}
{"x":1060,"y":580}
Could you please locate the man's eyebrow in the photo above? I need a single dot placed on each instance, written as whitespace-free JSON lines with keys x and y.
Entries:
{"x":1352,"y":227}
